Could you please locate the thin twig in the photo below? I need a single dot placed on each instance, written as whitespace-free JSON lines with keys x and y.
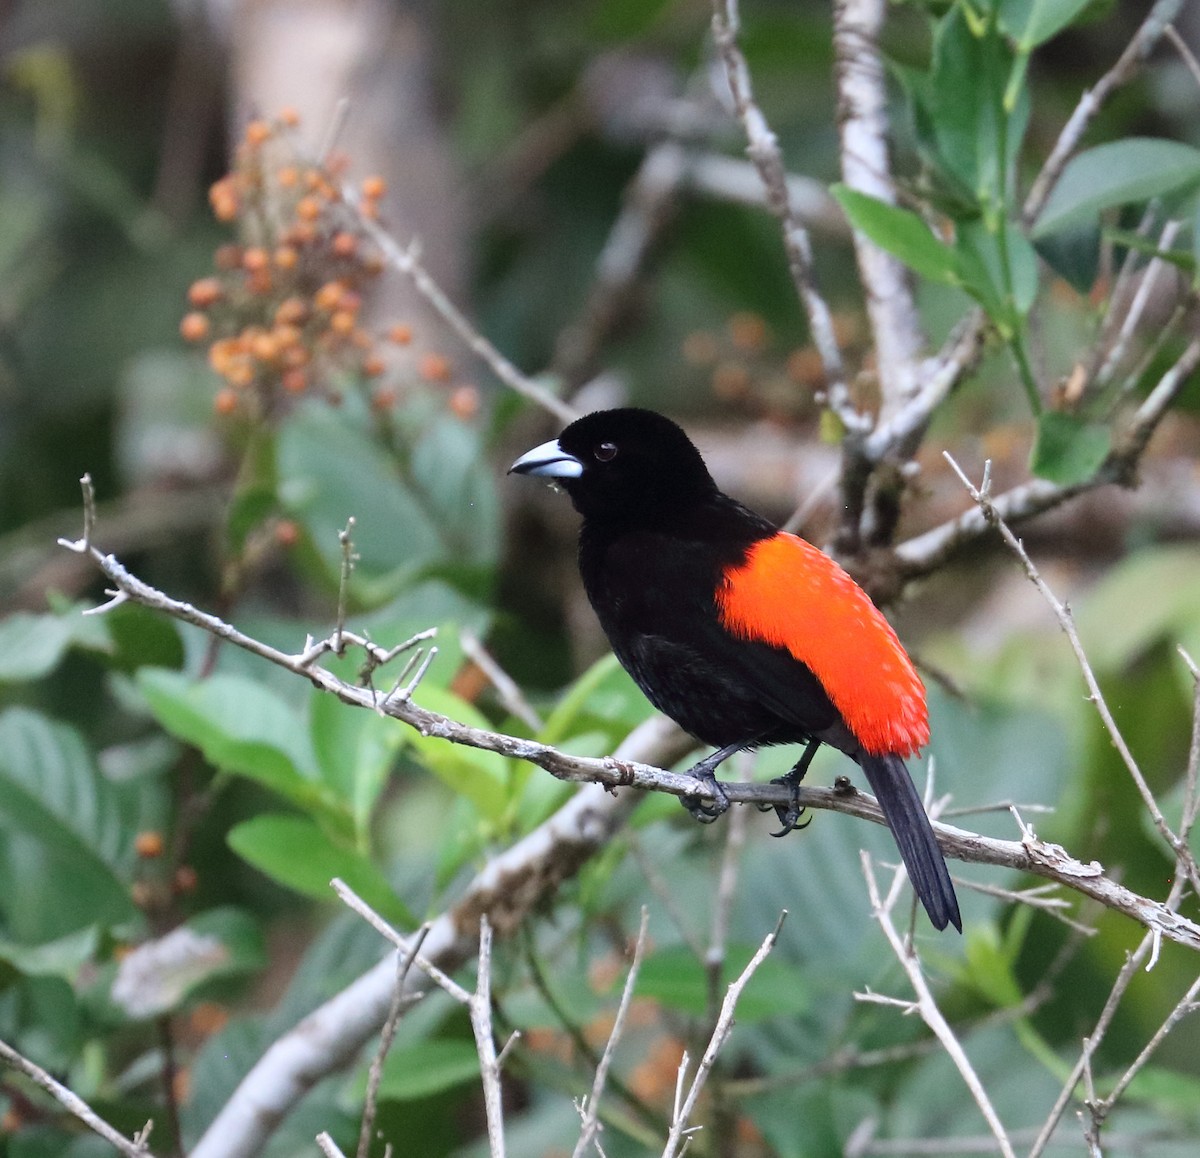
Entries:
{"x":720,"y":1034}
{"x":763,"y":150}
{"x":406,"y":260}
{"x":74,"y":1104}
{"x":328,"y":1146}
{"x":615,"y":772}
{"x":506,"y":687}
{"x":927,"y":1007}
{"x":1151,"y":30}
{"x":1066,"y":620}
{"x":404,"y":960}
{"x":591,"y":1107}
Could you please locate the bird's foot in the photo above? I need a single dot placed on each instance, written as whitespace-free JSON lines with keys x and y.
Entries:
{"x":701,"y":809}
{"x":789,"y":814}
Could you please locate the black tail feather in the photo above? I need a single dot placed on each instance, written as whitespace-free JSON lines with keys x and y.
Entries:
{"x":906,"y":817}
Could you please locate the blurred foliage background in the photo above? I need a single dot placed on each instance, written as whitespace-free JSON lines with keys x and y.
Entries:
{"x":151,"y":783}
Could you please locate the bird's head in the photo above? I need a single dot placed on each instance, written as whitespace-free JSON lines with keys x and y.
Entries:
{"x":622,"y":465}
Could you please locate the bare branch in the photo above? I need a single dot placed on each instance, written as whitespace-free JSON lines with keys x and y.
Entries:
{"x":866,"y":167}
{"x":720,"y":1034}
{"x":927,"y":1007}
{"x":591,"y":1107}
{"x":763,"y":149}
{"x":1066,"y":620}
{"x":75,"y":1105}
{"x":406,"y":260}
{"x":1152,"y":29}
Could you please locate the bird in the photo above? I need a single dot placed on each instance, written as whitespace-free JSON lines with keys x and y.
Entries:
{"x":745,"y":635}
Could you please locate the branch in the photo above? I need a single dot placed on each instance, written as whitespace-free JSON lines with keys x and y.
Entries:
{"x":1152,"y":29}
{"x":720,"y":1034}
{"x":763,"y":150}
{"x":622,"y":770}
{"x":927,"y":1007}
{"x":508,"y":888}
{"x":74,"y":1104}
{"x":925,"y":553}
{"x":1178,"y":845}
{"x":406,"y":260}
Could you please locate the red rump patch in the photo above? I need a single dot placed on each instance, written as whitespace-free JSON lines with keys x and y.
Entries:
{"x":792,"y":595}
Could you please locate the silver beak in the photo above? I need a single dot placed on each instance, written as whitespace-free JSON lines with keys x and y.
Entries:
{"x":548,"y":461}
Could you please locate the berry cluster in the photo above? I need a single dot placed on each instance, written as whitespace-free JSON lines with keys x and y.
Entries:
{"x":282,"y":313}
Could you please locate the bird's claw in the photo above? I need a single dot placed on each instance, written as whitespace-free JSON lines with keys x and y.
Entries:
{"x":789,"y":814}
{"x":701,"y":809}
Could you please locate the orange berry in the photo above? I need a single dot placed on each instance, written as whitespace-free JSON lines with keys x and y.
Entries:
{"x":255,"y":258}
{"x":258,"y":133}
{"x":344,"y":244}
{"x":329,"y":296}
{"x":372,"y":264}
{"x":373,"y":188}
{"x":748,"y":332}
{"x":294,"y":381}
{"x":434,"y":367}
{"x":287,"y":532}
{"x":350,"y":301}
{"x":337,"y":162}
{"x":265,"y":348}
{"x":285,"y":257}
{"x":208,"y":1018}
{"x":384,"y":398}
{"x":240,"y":374}
{"x":289,"y":116}
{"x":400,"y":334}
{"x":308,"y":209}
{"x":260,"y":282}
{"x":731,"y":381}
{"x":296,"y":356}
{"x":228,"y":257}
{"x":342,"y":322}
{"x":185,"y":879}
{"x":222,"y":352}
{"x":464,"y":402}
{"x":149,"y":845}
{"x":313,"y":179}
{"x":700,"y":348}
{"x":288,"y":177}
{"x":291,"y":311}
{"x":205,"y":292}
{"x":194,"y":327}
{"x":223,"y":198}
{"x":286,"y":335}
{"x":373,"y":366}
{"x":225,"y":403}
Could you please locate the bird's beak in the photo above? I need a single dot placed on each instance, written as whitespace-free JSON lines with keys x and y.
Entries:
{"x":549,"y":461}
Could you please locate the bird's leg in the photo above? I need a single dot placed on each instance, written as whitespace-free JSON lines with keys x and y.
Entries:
{"x":789,"y":814}
{"x":705,"y":771}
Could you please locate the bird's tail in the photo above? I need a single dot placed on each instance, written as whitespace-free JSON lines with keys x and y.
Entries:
{"x":906,"y":817}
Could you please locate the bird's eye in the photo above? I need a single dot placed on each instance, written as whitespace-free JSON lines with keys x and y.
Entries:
{"x":605,"y":452}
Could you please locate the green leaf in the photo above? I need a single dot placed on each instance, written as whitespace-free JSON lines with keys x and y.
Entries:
{"x":1117,"y":173}
{"x":1069,"y":449}
{"x":1151,"y":596}
{"x":428,"y":1068}
{"x":52,"y":792}
{"x":243,"y":728}
{"x":989,"y":968}
{"x":59,"y":958}
{"x":456,"y":482}
{"x":297,"y":852}
{"x":481,"y":776}
{"x":678,"y":980}
{"x":32,"y":646}
{"x":604,"y":698}
{"x":329,"y":470}
{"x":1033,"y":22}
{"x":901,"y":232}
{"x":355,"y":751}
